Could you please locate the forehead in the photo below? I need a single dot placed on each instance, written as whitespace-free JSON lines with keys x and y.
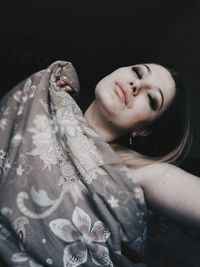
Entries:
{"x":161,"y":75}
{"x":160,"y":72}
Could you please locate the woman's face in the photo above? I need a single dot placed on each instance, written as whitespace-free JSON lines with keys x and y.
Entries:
{"x":133,"y":97}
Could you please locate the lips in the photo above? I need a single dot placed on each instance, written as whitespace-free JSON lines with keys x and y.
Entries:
{"x":121,"y":91}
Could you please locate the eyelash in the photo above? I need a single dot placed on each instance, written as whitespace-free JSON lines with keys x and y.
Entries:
{"x":137,"y":72}
{"x":151,"y":101}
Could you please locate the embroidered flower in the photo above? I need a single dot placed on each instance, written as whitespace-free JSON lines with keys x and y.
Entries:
{"x":16,"y":139}
{"x":44,"y":141}
{"x":3,"y":123}
{"x":2,"y":154}
{"x":82,"y":149}
{"x":73,"y":185}
{"x":23,"y":96}
{"x":19,"y":170}
{"x":113,"y":202}
{"x":17,"y":96}
{"x":82,"y":239}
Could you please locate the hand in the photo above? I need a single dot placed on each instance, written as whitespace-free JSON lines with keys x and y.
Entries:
{"x":64,"y":85}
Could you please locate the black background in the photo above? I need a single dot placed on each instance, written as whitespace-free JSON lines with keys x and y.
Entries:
{"x":98,"y":36}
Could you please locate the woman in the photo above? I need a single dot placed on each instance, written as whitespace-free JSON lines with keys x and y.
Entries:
{"x":131,"y":100}
{"x":165,"y":139}
{"x":66,"y":197}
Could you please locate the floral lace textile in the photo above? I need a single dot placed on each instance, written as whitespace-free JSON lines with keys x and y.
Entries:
{"x":65,"y":198}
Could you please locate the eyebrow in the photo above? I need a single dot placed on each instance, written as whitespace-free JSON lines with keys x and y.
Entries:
{"x":147,"y":67}
{"x":154,"y":103}
{"x":159,"y":90}
{"x":162,"y":97}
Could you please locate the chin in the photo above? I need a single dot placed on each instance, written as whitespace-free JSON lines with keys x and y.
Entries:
{"x":106,"y":103}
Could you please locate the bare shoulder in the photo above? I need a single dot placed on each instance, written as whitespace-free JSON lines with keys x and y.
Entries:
{"x":150,"y":170}
{"x":171,"y":191}
{"x":157,"y":172}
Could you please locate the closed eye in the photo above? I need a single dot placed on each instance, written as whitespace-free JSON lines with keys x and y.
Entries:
{"x":153,"y":102}
{"x":137,"y":72}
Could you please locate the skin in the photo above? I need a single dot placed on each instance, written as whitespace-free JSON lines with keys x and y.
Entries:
{"x":171,"y":192}
{"x":168,"y":190}
{"x":123,"y":98}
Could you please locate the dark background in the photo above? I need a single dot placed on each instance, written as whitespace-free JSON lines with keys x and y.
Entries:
{"x":98,"y":36}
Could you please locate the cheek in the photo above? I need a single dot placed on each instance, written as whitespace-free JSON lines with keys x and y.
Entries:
{"x":103,"y":87}
{"x":141,"y":107}
{"x":129,"y":119}
{"x":141,"y":112}
{"x":103,"y":93}
{"x":107,"y":100}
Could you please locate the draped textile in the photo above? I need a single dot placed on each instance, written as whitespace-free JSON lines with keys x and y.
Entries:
{"x":65,"y":197}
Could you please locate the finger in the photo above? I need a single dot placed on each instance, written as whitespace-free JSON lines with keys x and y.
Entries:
{"x":68,"y":88}
{"x":60,"y":83}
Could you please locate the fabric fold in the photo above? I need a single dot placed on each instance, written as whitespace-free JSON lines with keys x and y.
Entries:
{"x":63,"y":189}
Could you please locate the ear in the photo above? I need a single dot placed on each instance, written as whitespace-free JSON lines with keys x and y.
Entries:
{"x":145,"y":132}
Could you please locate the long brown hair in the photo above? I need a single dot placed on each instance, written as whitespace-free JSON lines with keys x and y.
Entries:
{"x":170,"y":136}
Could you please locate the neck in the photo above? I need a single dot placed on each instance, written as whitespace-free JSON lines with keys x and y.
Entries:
{"x":100,"y":123}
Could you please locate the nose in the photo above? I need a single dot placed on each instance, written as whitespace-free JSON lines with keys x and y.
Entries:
{"x":135,"y":87}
